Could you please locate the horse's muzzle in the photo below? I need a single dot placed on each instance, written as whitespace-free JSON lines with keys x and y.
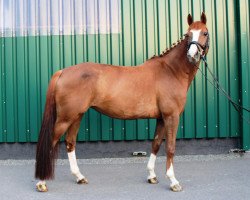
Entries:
{"x":193,"y":58}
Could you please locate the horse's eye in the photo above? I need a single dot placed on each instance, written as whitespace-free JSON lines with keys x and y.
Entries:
{"x":205,"y":33}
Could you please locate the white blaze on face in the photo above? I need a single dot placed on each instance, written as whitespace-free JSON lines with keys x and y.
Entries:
{"x":193,"y":48}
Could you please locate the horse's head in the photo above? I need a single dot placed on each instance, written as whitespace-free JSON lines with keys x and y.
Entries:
{"x":198,"y":38}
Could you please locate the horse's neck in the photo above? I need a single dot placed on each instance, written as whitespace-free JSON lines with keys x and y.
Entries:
{"x":178,"y":62}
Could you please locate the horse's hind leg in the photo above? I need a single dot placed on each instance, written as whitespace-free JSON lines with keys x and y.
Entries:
{"x":59,"y":129}
{"x":70,"y":145}
{"x":159,"y":134}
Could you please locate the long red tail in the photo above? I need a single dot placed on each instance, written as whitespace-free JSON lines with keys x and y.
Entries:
{"x":45,"y":152}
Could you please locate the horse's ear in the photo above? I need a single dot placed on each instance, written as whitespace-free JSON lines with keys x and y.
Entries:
{"x":203,"y":18}
{"x":190,"y":19}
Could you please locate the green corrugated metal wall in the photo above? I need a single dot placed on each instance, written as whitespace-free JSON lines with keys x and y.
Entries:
{"x":244,"y":29}
{"x":147,"y":28}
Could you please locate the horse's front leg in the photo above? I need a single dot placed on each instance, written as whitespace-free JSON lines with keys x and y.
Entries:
{"x":159,"y":134}
{"x":171,"y":125}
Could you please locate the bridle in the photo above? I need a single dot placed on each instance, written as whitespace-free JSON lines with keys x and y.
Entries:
{"x":201,"y":48}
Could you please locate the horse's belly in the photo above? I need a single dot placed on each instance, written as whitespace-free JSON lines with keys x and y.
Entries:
{"x":126,"y":110}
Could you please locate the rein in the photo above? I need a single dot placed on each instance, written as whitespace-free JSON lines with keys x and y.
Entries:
{"x":218,"y":86}
{"x":215,"y":83}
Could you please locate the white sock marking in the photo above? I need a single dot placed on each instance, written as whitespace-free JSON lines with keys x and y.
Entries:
{"x":73,"y":166}
{"x":151,"y":166}
{"x":170,"y":175}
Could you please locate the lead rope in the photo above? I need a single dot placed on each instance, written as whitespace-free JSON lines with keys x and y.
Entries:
{"x":217,"y":85}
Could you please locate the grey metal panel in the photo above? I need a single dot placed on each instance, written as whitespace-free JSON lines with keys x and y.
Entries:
{"x":59,"y":17}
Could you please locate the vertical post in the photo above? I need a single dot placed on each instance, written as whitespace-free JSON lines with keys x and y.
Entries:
{"x":244,"y":67}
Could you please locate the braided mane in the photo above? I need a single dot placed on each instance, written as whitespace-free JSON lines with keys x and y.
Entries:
{"x":167,"y":50}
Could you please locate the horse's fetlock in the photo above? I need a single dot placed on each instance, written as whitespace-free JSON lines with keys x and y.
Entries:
{"x":75,"y":170}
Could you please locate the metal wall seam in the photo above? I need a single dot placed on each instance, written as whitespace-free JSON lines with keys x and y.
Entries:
{"x":243,"y":7}
{"x":222,"y":71}
{"x":2,"y":99}
{"x":233,"y":69}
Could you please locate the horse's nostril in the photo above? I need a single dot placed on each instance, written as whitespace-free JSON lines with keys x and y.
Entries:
{"x":191,"y":59}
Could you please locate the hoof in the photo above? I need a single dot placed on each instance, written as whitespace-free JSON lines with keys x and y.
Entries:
{"x":41,"y":187}
{"x":83,"y":181}
{"x":176,"y":188}
{"x":153,"y":180}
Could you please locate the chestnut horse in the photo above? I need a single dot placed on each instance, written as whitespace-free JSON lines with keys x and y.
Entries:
{"x":155,"y":89}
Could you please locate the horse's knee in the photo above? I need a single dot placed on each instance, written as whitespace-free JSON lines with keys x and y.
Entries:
{"x":156,"y":145}
{"x":170,"y":151}
{"x":155,"y":148}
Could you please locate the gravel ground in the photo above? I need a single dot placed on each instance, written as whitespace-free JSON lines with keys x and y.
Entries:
{"x":224,"y":176}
